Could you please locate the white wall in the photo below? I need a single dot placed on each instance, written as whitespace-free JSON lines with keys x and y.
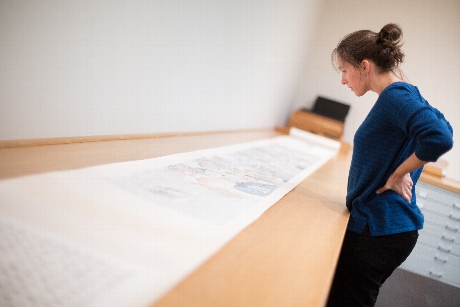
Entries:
{"x":432,"y":44}
{"x":80,"y":68}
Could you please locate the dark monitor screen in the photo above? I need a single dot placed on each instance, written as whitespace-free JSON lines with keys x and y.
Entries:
{"x":330,"y":108}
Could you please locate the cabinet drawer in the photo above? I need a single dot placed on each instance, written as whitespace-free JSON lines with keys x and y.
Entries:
{"x":429,"y":192}
{"x":424,"y":266}
{"x":438,"y":234}
{"x":448,"y":222}
{"x":437,"y":255}
{"x":449,"y":229}
{"x":439,"y":244}
{"x":429,"y":205}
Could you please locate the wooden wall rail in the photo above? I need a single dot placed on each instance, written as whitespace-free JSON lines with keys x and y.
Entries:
{"x":101,"y":138}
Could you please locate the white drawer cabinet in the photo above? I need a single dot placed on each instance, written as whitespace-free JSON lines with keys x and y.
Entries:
{"x":439,"y":243}
{"x":422,"y":265}
{"x":451,"y":212}
{"x":437,"y":253}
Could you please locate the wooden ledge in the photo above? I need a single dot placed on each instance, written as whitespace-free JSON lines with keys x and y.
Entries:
{"x":100,"y":138}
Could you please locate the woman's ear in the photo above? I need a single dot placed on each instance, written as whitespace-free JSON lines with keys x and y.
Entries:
{"x":365,"y":66}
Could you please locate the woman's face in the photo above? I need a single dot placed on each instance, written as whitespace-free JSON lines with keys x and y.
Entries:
{"x":353,"y":78}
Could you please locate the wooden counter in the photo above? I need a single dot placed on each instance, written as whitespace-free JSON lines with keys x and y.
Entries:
{"x":285,"y":258}
{"x":441,"y":182}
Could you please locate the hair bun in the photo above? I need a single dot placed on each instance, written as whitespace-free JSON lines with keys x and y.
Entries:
{"x":390,"y":35}
{"x":382,"y":48}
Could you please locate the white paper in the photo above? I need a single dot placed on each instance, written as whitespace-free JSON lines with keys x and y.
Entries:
{"x":166,"y":215}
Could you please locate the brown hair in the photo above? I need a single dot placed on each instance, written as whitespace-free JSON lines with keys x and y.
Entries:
{"x":383,"y":48}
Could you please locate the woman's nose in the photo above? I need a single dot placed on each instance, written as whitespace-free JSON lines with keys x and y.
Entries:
{"x":344,"y":80}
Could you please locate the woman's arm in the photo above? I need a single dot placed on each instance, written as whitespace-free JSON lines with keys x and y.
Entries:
{"x":400,"y":181}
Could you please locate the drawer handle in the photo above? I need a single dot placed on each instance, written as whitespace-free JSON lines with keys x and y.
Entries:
{"x":454,"y":217}
{"x":444,"y":249}
{"x":456,"y":205}
{"x":448,"y":239}
{"x":423,"y":194}
{"x":437,"y":275}
{"x":452,"y":228}
{"x":439,"y":259}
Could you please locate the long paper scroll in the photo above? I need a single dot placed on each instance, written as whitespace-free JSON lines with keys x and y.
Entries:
{"x":149,"y":222}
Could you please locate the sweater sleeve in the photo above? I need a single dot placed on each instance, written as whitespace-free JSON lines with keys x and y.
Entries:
{"x":432,"y":133}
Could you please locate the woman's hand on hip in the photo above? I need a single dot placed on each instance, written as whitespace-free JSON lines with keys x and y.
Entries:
{"x":400,"y":184}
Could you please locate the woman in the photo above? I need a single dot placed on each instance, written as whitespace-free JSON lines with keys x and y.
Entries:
{"x":401,"y":133}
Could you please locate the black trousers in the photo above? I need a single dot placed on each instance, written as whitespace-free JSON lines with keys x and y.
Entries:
{"x":365,"y":263}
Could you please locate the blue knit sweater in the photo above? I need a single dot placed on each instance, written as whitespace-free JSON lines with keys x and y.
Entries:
{"x":400,"y":123}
